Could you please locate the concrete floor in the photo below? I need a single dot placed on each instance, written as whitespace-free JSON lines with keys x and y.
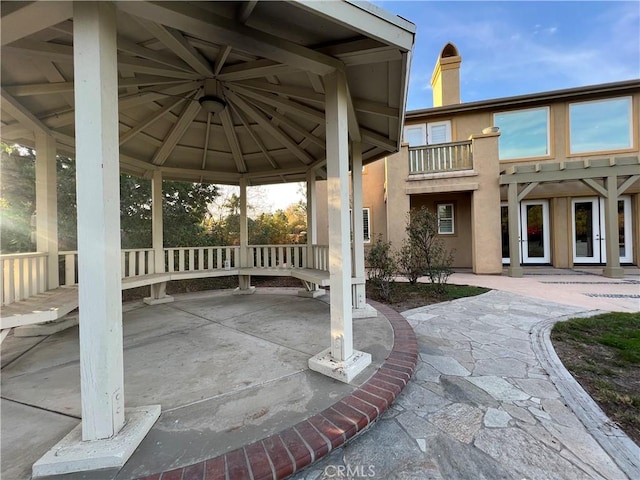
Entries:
{"x":227,"y":370}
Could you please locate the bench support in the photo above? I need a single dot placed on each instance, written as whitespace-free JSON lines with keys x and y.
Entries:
{"x":158,"y":294}
{"x":312,"y":290}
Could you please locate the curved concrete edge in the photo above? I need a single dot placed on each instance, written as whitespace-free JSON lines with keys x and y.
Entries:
{"x":624,"y":452}
{"x":284,"y":453}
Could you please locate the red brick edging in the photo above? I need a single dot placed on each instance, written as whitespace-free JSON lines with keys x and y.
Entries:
{"x":284,"y":453}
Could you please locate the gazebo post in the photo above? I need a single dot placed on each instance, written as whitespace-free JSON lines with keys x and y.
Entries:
{"x":340,"y":360}
{"x":244,"y":281}
{"x":100,"y":441}
{"x":47,"y":205}
{"x":158,"y":292}
{"x":361,"y":309}
{"x":312,"y":235}
{"x":613,"y":268}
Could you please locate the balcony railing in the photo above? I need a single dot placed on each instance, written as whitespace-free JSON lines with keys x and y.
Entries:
{"x":446,"y":157}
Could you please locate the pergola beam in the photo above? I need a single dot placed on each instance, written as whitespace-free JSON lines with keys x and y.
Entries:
{"x":148,"y":121}
{"x":137,"y":50}
{"x":254,"y":136}
{"x":293,"y":126}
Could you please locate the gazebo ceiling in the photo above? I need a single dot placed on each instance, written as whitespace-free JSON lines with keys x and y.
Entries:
{"x":265,"y":60}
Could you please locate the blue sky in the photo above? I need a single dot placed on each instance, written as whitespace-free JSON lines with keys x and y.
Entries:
{"x":514,"y":48}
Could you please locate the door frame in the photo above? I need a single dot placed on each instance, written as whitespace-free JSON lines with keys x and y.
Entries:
{"x":523,"y":236}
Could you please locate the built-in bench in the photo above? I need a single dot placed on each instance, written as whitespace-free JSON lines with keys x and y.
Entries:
{"x":26,"y":302}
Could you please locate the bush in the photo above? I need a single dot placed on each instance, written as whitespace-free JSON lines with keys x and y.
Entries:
{"x":382,"y":268}
{"x":424,"y":252}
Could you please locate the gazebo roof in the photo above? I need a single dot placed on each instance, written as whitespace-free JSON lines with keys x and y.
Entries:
{"x":265,"y":60}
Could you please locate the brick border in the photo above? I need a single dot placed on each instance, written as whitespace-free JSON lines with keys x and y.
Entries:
{"x":284,"y":453}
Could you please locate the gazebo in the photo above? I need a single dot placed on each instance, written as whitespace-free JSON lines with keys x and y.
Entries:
{"x":242,"y":93}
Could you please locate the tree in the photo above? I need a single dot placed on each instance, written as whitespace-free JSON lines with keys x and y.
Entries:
{"x":185,"y":206}
{"x":424,"y":252}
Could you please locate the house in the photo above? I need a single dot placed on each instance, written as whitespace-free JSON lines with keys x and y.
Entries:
{"x":549,"y":178}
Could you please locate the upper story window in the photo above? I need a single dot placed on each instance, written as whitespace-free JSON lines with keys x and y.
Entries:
{"x":524,"y":133}
{"x":600,"y":125}
{"x":428,"y":133}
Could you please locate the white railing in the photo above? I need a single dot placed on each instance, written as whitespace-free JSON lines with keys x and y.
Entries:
{"x":277,"y":256}
{"x":446,"y":157}
{"x":321,"y":257}
{"x":23,"y":275}
{"x":68,"y":264}
{"x":136,"y":262}
{"x":193,"y":259}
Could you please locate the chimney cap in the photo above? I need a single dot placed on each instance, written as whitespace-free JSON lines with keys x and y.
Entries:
{"x":449,"y":50}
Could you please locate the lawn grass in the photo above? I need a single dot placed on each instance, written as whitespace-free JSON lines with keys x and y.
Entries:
{"x":603,"y":354}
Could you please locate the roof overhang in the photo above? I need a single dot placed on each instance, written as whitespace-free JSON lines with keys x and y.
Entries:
{"x":266,"y":60}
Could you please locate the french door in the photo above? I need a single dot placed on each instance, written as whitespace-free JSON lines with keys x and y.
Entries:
{"x":588,"y":230}
{"x":533,"y":228}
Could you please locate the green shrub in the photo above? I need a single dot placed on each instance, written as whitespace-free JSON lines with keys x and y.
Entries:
{"x":382,"y":268}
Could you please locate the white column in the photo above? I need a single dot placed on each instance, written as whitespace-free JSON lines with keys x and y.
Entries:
{"x":94,"y":444}
{"x":312,"y":289}
{"x":312,"y":224}
{"x":244,"y":281}
{"x":47,"y":205}
{"x":158,"y":292}
{"x":359,"y":296}
{"x":340,"y":360}
{"x":514,"y":270}
{"x":98,"y":194}
{"x":613,"y":268}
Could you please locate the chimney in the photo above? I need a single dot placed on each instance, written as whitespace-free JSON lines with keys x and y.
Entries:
{"x":445,"y":80}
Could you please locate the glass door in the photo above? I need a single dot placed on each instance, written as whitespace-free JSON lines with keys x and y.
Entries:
{"x":589,"y":238}
{"x":533,"y":228}
{"x":586,"y":230}
{"x":534,"y":231}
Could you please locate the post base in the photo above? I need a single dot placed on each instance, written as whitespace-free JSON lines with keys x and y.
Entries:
{"x":367,"y":311}
{"x":71,"y":454}
{"x":244,"y":291}
{"x":516,"y":272}
{"x":312,"y":293}
{"x":613,"y":272}
{"x":345,"y":370}
{"x":158,"y":301}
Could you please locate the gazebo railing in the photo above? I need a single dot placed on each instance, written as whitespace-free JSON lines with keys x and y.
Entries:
{"x":321,"y":257}
{"x":23,"y":275}
{"x":191,"y":259}
{"x":277,"y":256}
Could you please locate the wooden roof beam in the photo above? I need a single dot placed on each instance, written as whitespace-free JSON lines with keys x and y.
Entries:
{"x":179,"y":128}
{"x":191,"y":19}
{"x":33,"y":17}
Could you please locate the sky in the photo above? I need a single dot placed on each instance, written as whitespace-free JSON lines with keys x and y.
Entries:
{"x":515,"y":47}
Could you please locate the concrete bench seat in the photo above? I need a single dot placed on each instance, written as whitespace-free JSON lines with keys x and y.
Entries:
{"x":319,"y":277}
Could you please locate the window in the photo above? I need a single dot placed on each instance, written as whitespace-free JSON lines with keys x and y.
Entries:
{"x":365,"y":225}
{"x":415,"y":135}
{"x":445,"y":219}
{"x":600,"y":125}
{"x":366,"y":230}
{"x":428,"y":133}
{"x":524,"y":133}
{"x":438,"y":132}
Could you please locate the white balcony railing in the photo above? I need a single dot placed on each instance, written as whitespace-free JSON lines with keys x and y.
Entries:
{"x":192,"y":259}
{"x":446,"y":157}
{"x":321,"y":257}
{"x":277,"y":256}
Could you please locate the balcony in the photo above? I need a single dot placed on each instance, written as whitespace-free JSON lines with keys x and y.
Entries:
{"x":445,"y":157}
